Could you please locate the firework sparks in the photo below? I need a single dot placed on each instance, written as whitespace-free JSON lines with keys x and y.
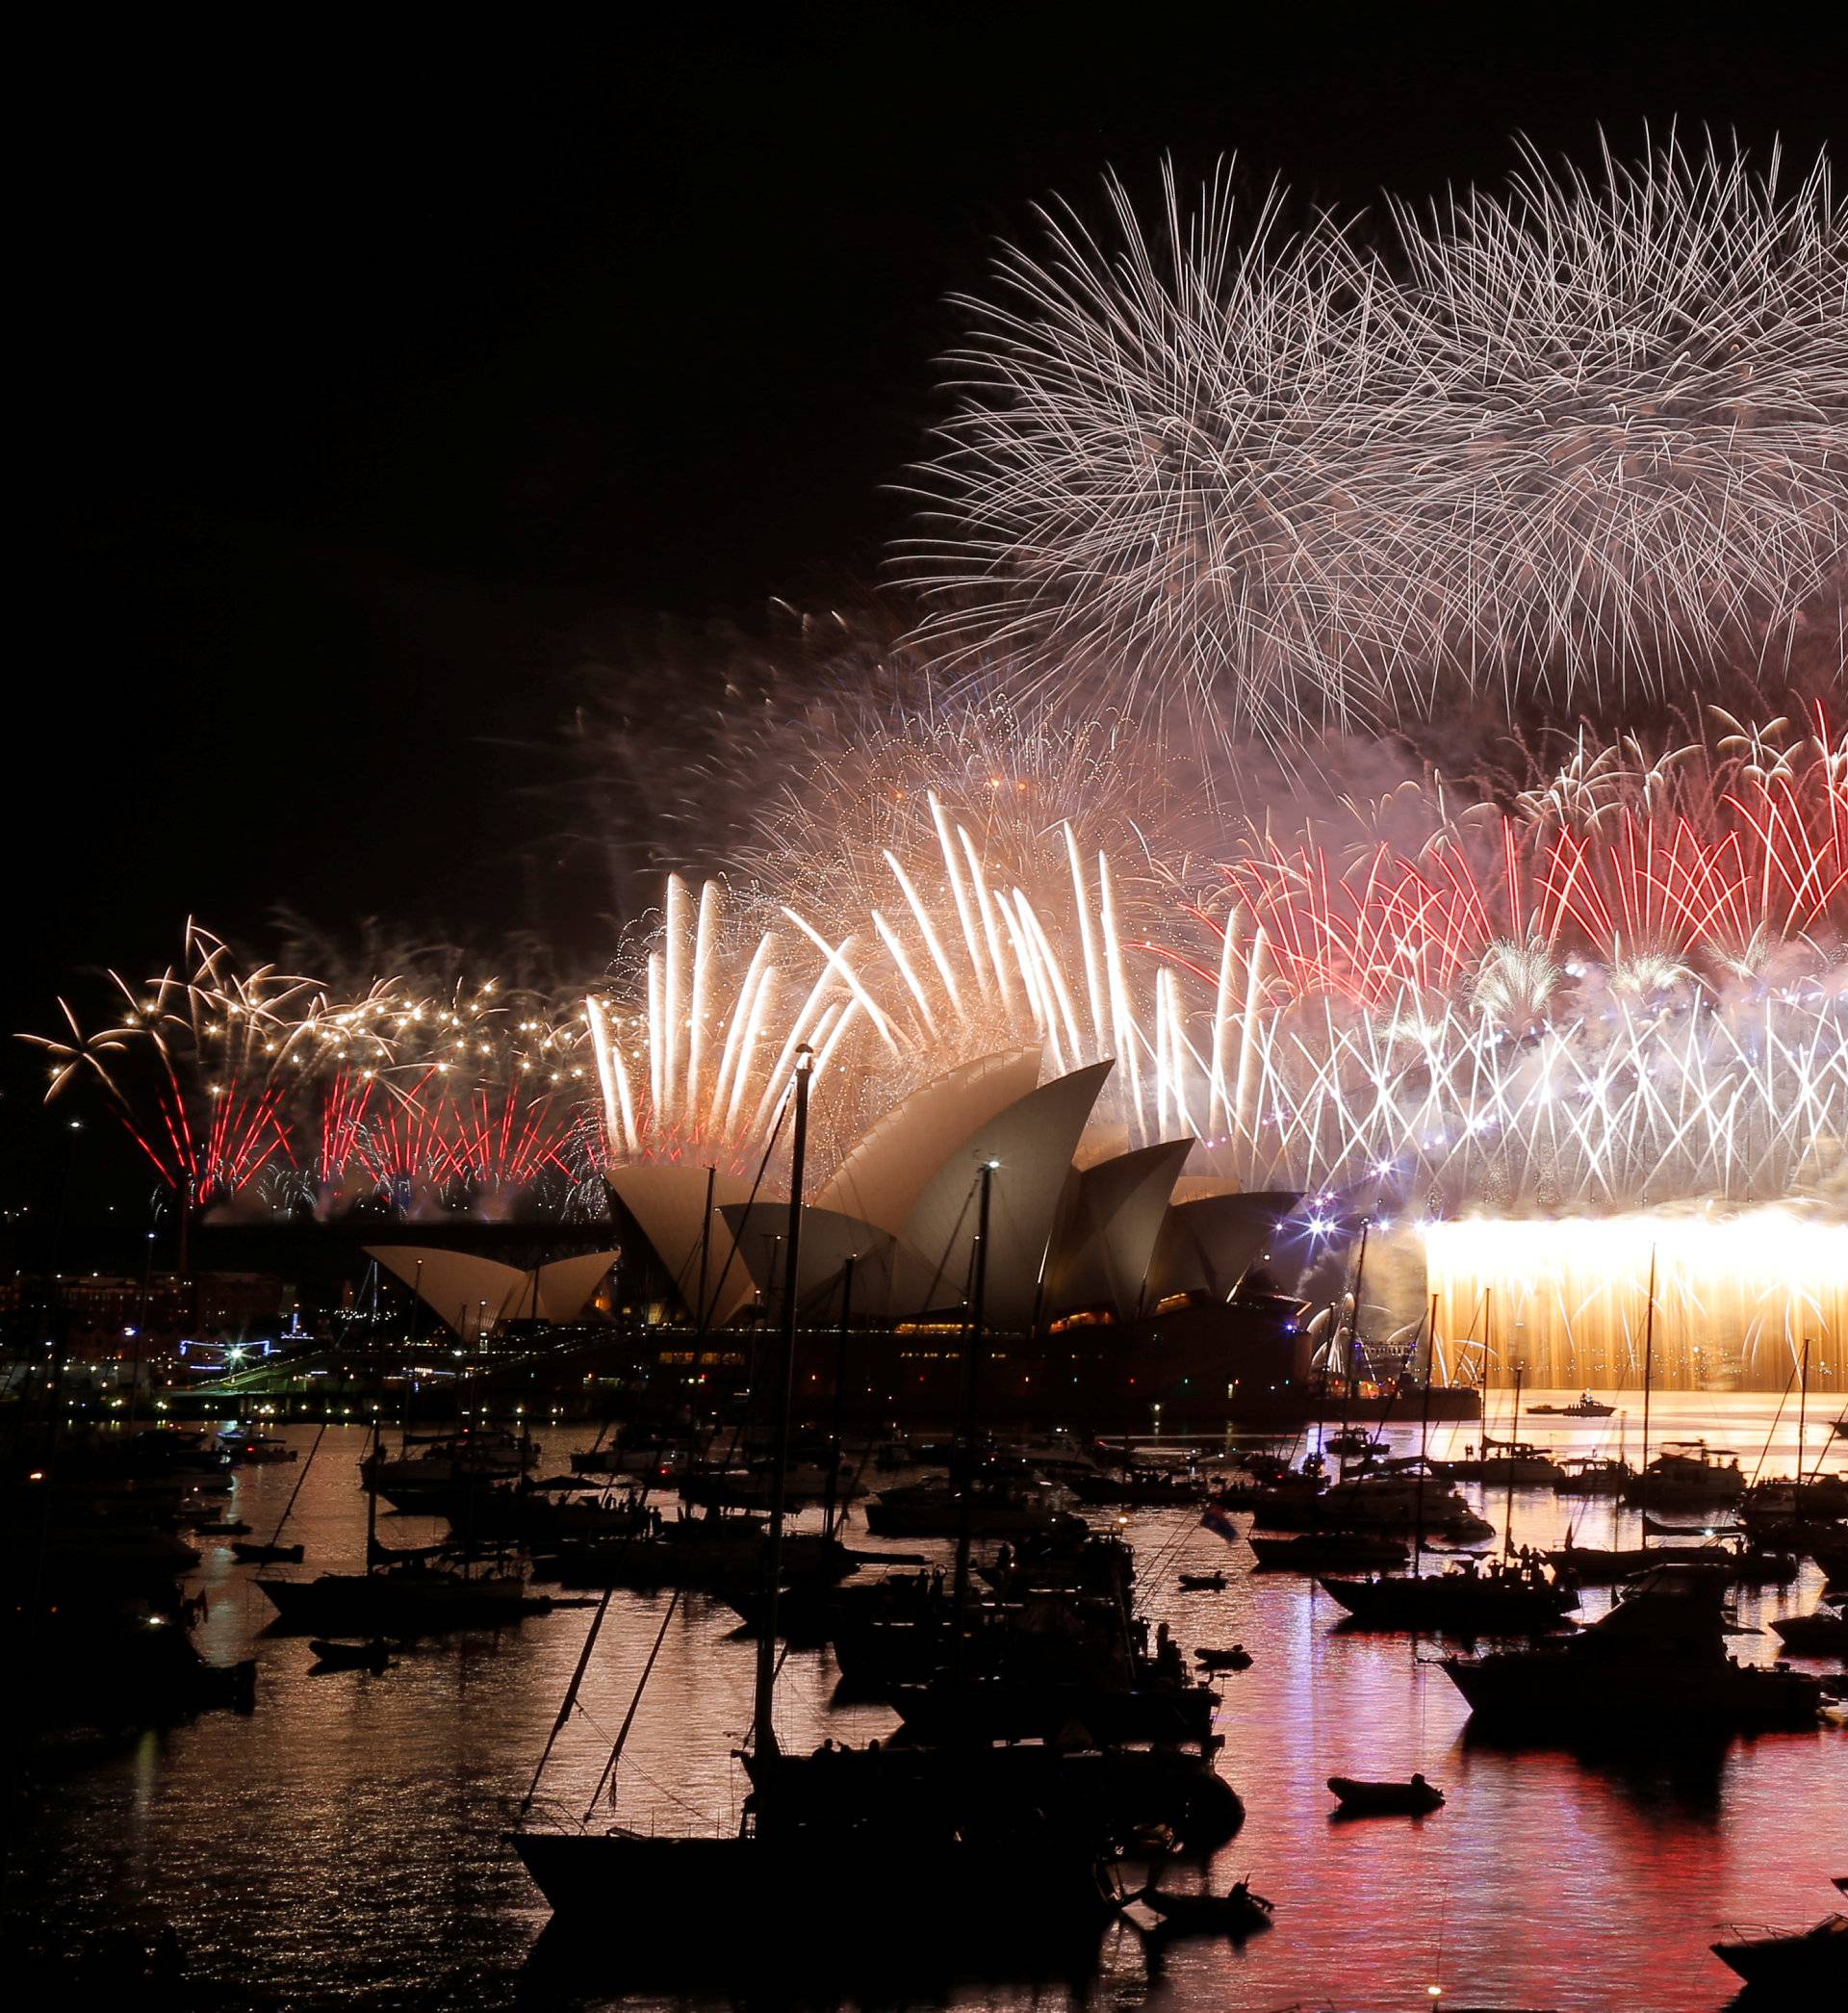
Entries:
{"x":1568,"y":443}
{"x":1622,"y":984}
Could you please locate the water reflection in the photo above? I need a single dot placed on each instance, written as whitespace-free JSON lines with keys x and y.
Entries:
{"x":344,"y":1846}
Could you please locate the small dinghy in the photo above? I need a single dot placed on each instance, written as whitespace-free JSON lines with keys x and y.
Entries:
{"x":221,"y":1527}
{"x":371,"y":1655}
{"x":1236,"y":1657}
{"x":1202,"y":1583}
{"x":256,"y":1554}
{"x":1238,"y":1912}
{"x":1411,"y":1799}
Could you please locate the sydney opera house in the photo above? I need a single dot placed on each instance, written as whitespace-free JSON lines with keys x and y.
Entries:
{"x":1123,"y":1291}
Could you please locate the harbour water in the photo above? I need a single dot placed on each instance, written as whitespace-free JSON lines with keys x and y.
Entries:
{"x":343,"y":1845}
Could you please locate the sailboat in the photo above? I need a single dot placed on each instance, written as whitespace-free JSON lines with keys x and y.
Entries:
{"x":404,"y":1591}
{"x":874,"y":1843}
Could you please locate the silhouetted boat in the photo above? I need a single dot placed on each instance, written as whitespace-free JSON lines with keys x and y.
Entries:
{"x":1004,"y":1509}
{"x":254,"y":1553}
{"x":995,"y":1708}
{"x":1594,"y":1475}
{"x":1459,"y":1602}
{"x":1506,"y":1464}
{"x":1202,"y":1583}
{"x":1140,"y":1488}
{"x":1812,"y":1635}
{"x":1411,"y":1799}
{"x":411,"y":1600}
{"x":1657,"y":1660}
{"x":1691,"y":1474}
{"x":1375,"y":1502}
{"x":1236,"y":1657}
{"x":351,"y":1655}
{"x":254,"y":1449}
{"x":1328,"y":1551}
{"x":1593,"y":1565}
{"x":1820,"y":1496}
{"x":1237,"y":1913}
{"x":1351,"y":1439}
{"x":1808,"y":1961}
{"x":1584,"y":1406}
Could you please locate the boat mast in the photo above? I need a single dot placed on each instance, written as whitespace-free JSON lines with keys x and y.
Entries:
{"x":1354,"y":1331}
{"x":1648,"y":1373}
{"x":1803,"y":1401}
{"x":371,"y":1497}
{"x":763,"y":1734}
{"x":706,"y":1250}
{"x":1424,"y":1445}
{"x":972,"y":1401}
{"x":1508,"y":1527}
{"x":840,"y":1400}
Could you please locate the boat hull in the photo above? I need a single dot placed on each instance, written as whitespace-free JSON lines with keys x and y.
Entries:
{"x":387,"y":1604}
{"x":885,"y":1901}
{"x":1808,"y":1963}
{"x":1400,"y":1800}
{"x":1447,"y":1606}
{"x":1547,"y":1693}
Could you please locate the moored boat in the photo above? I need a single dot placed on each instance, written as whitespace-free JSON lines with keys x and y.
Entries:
{"x":1235,"y":1913}
{"x":1500,"y":1601}
{"x":371,"y":1655}
{"x":414,"y":1599}
{"x":1410,"y":1798}
{"x":1658,"y":1660}
{"x":1328,"y":1551}
{"x":1688,"y":1474}
{"x":1790,"y":1960}
{"x":1594,"y":1475}
{"x":1812,"y":1635}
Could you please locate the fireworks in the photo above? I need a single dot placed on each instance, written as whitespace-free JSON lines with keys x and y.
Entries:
{"x":1628,"y":986}
{"x":1560,"y":448}
{"x":259,"y":1089}
{"x":1574,"y":444}
{"x":1572,"y":1298}
{"x":1621,"y":985}
{"x":198,"y":1065}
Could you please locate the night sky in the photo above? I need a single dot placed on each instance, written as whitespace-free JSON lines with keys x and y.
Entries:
{"x":367,"y":376}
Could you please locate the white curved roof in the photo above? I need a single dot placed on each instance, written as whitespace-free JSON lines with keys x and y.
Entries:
{"x":1032,"y":1141}
{"x":1106,"y":1238}
{"x":828,"y":1240}
{"x":881,"y":1180}
{"x":668,"y":1203}
{"x":471,"y":1294}
{"x":1205,"y":1245}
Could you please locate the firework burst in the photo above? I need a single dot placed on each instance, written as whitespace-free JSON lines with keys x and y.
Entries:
{"x":1568,"y":445}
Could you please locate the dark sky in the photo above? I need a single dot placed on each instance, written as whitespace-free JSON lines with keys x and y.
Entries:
{"x":367,"y":372}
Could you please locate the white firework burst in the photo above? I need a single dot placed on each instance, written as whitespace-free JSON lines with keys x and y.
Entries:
{"x":1571,"y":442}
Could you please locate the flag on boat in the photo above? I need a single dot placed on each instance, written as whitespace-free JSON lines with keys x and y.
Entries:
{"x":1213,"y":1518}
